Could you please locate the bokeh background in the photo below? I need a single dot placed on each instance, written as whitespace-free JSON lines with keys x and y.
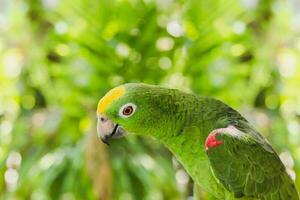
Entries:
{"x":59,"y":57}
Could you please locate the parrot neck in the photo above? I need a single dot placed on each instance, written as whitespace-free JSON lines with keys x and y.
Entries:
{"x":185,"y":138}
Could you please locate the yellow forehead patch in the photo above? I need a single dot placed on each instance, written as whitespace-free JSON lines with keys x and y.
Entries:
{"x":111,"y":96}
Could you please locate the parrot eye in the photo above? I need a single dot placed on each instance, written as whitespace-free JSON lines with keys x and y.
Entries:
{"x":127,"y":110}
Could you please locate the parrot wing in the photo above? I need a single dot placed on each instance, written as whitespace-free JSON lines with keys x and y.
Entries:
{"x":247,"y":165}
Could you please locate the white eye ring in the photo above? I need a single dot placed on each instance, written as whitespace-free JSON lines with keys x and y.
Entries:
{"x":127,"y":110}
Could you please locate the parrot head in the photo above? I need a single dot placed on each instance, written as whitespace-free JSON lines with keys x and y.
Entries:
{"x":132,"y":107}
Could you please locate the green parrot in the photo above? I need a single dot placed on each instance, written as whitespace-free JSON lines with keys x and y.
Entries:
{"x":220,"y":150}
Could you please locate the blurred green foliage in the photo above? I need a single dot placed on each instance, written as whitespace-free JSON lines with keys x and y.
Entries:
{"x":59,"y":57}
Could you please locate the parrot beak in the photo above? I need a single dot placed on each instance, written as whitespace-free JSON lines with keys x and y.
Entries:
{"x":107,"y":129}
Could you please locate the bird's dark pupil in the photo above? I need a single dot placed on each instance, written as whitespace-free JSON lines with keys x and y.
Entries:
{"x":128,"y":110}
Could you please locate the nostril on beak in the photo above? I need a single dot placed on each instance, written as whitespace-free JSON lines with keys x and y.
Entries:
{"x":102,"y":119}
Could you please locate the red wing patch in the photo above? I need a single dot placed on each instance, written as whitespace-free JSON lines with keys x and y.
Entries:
{"x":211,"y":141}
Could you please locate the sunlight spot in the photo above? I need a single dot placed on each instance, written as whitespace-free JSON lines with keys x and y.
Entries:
{"x":5,"y":128}
{"x":294,"y":129}
{"x":164,"y":44}
{"x":46,"y":161}
{"x":14,"y":160}
{"x":174,"y":29}
{"x":239,"y":27}
{"x":165,"y":63}
{"x":4,"y":22}
{"x":50,"y":4}
{"x":146,"y":161}
{"x":13,"y":61}
{"x":52,"y":159}
{"x":123,"y":50}
{"x":11,"y":177}
{"x":250,"y":4}
{"x":61,"y":27}
{"x":164,"y":5}
{"x":287,"y":63}
{"x":38,"y":119}
{"x":182,"y":177}
{"x":295,"y":25}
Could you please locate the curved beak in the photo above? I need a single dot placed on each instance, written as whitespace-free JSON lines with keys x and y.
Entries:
{"x":107,"y":129}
